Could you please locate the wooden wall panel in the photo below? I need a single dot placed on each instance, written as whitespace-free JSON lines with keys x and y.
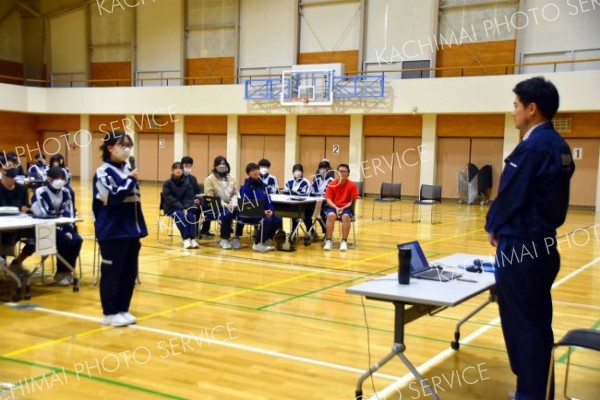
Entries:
{"x":347,"y":57}
{"x":217,"y":146}
{"x":585,"y":178}
{"x":372,"y":176}
{"x":12,"y":69}
{"x":107,"y":123}
{"x":407,"y":166}
{"x":489,"y":151}
{"x":452,"y":157}
{"x":59,"y":122}
{"x":583,"y":125}
{"x":17,"y":129}
{"x":275,"y":152}
{"x":97,"y":138}
{"x":164,"y":123}
{"x":262,"y":125}
{"x":252,"y":149}
{"x":393,"y":125}
{"x":197,"y":148}
{"x":477,"y":125}
{"x":148,"y":156}
{"x":343,"y":149}
{"x":312,"y":151}
{"x":119,"y":72}
{"x":331,"y":125}
{"x":210,"y":71}
{"x":479,"y":54}
{"x":207,"y":124}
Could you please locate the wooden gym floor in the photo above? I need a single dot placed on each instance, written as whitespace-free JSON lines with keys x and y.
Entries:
{"x":224,"y":324}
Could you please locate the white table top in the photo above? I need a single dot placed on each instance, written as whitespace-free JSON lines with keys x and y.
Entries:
{"x":435,"y":293}
{"x":289,"y":199}
{"x":24,"y":221}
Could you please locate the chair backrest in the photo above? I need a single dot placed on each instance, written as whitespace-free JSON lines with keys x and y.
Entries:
{"x":391,"y":190}
{"x":251,"y":209}
{"x":431,"y":192}
{"x":360,"y":185}
{"x":161,"y":204}
{"x":201,"y":186}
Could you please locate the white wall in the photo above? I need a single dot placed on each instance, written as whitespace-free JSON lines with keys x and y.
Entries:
{"x":160,"y":37}
{"x":268,"y":33}
{"x":491,"y":94}
{"x":562,"y":26}
{"x":395,"y":28}
{"x":330,"y":27}
{"x":218,"y":41}
{"x":109,"y":29}
{"x":68,"y":44}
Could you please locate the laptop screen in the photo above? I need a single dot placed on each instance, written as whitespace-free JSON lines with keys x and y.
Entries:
{"x":418,"y":262}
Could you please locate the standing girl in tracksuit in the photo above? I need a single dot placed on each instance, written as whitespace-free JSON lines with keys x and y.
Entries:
{"x":120,"y":225}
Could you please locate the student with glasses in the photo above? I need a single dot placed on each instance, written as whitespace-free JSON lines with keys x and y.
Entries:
{"x":339,"y":196}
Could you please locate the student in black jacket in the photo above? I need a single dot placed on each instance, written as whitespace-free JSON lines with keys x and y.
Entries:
{"x":178,"y":202}
{"x":188,"y":162}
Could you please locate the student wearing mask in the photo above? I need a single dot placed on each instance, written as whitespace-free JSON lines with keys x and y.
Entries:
{"x":188,"y":163}
{"x":12,"y":156}
{"x":269,"y":180}
{"x":255,"y":190}
{"x":38,"y":170}
{"x":13,"y":194}
{"x":300,"y":186}
{"x":178,"y":198}
{"x":120,"y":225}
{"x":57,"y":160}
{"x":54,"y":199}
{"x":221,"y":184}
{"x":323,"y":177}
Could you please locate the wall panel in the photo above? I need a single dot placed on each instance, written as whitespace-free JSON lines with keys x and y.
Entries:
{"x":374,"y":178}
{"x":393,"y":125}
{"x":264,"y":125}
{"x":585,"y":178}
{"x":482,"y":55}
{"x":489,"y":151}
{"x":210,"y":124}
{"x":337,"y":150}
{"x":312,"y":151}
{"x":335,"y":125}
{"x":407,"y":166}
{"x":17,"y":129}
{"x":119,"y":71}
{"x":477,"y":125}
{"x":349,"y":58}
{"x":210,"y":71}
{"x":452,"y":157}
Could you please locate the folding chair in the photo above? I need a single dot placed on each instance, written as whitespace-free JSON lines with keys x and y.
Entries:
{"x":429,"y":196}
{"x":162,"y":217}
{"x":316,"y":218}
{"x":352,"y":221}
{"x":388,"y":193}
{"x":584,"y":338}
{"x":249,"y":212}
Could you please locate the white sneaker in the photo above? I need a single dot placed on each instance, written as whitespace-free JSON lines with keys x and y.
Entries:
{"x":225,"y":244}
{"x":327,"y":245}
{"x":343,"y":245}
{"x":63,"y":279}
{"x":236,"y":244}
{"x":128,"y":317}
{"x":114,"y":320}
{"x":187,"y":244}
{"x":268,"y":247}
{"x":260,"y":247}
{"x":194,"y":244}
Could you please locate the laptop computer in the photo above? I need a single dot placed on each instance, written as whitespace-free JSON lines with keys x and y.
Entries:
{"x":420,"y":268}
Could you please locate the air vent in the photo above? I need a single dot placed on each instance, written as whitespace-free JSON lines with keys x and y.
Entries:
{"x":562,"y":125}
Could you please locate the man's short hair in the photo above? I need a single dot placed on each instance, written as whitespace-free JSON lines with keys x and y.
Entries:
{"x":56,"y":173}
{"x":251,"y":167}
{"x":541,"y":92}
{"x":187,"y":160}
{"x":345,"y":166}
{"x":264,"y":163}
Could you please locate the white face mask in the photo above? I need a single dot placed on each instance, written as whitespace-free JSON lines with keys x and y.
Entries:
{"x":297,"y":174}
{"x":221,"y":169}
{"x":58,"y":184}
{"x":263,"y":170}
{"x":322,"y":171}
{"x":122,"y":153}
{"x":187,"y":171}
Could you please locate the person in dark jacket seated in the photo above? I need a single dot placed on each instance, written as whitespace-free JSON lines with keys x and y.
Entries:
{"x":253,"y":191}
{"x":54,"y":199}
{"x":178,"y":202}
{"x":187,"y":163}
{"x":38,"y":170}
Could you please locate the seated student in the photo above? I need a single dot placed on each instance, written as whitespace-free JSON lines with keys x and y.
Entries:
{"x":221,"y":184}
{"x":188,"y":162}
{"x":178,"y":202}
{"x":300,"y":186}
{"x":54,"y":199}
{"x":269,"y":180}
{"x":12,"y":156}
{"x":38,"y":170}
{"x":57,"y":160}
{"x":13,"y":194}
{"x":339,"y":196}
{"x":323,"y":177}
{"x":255,"y":190}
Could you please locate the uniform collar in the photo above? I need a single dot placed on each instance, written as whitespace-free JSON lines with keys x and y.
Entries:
{"x":531,"y":130}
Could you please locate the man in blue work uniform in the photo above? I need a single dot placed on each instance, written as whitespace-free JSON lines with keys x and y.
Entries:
{"x":532,"y":202}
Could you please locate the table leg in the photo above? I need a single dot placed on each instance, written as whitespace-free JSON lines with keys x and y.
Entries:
{"x":397,"y":350}
{"x":491,"y":299}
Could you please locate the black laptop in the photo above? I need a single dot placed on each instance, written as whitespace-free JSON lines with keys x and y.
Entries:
{"x":420,"y":268}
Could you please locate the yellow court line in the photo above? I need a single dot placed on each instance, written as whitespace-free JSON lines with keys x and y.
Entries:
{"x":218,"y":298}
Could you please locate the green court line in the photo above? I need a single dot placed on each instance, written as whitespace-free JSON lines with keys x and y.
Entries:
{"x":94,"y":378}
{"x":563,"y":359}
